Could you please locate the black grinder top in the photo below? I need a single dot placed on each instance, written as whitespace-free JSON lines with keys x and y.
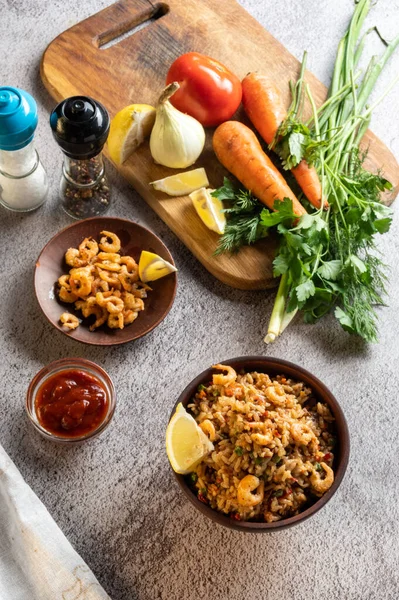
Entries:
{"x":80,"y":126}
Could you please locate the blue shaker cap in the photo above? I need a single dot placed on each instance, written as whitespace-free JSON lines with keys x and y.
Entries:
{"x":18,"y":118}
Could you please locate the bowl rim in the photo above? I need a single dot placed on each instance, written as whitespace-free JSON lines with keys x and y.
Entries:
{"x":111,"y":342}
{"x":64,"y":364}
{"x":342,"y":436}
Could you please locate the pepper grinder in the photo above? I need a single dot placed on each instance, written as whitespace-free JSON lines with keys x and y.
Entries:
{"x":80,"y":126}
{"x":23,"y":181}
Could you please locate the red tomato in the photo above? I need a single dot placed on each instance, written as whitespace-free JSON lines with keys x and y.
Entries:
{"x":209,"y":92}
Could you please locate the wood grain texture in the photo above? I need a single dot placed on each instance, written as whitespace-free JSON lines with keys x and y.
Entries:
{"x":134,"y":71}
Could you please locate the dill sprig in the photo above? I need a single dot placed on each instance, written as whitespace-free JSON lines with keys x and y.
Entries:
{"x":248,"y":219}
{"x":244,"y":226}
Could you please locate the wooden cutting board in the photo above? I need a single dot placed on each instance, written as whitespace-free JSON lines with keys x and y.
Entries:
{"x":133,"y":70}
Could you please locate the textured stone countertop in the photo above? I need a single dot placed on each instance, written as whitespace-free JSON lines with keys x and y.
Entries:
{"x":115,"y":498}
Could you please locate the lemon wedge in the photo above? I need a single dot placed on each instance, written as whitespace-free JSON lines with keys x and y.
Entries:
{"x":152,"y":267}
{"x":209,"y":209}
{"x":129,"y":127}
{"x":182,"y":183}
{"x":186,"y":443}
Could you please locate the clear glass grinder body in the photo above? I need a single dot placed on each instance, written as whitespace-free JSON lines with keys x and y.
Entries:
{"x":80,"y":126}
{"x":23,"y":180}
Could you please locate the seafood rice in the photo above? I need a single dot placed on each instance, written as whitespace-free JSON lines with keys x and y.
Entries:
{"x":273,"y":445}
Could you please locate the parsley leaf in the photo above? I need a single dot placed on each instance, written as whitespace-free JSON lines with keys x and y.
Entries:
{"x":305,"y":290}
{"x":283,"y":212}
{"x":297,"y":143}
{"x":280,"y":265}
{"x":226,"y":192}
{"x":330,"y":270}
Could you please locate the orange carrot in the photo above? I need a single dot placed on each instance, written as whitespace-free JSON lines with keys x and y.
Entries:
{"x":309,"y":182}
{"x":239,"y":150}
{"x":264,"y":106}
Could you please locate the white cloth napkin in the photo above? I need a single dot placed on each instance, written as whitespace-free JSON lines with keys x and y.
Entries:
{"x":36,"y":560}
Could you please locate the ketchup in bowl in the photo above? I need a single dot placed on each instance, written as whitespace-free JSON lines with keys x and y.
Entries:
{"x":71,"y":400}
{"x":71,"y":403}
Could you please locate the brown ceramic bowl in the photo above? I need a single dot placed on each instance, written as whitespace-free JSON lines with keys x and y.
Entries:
{"x":134,"y":238}
{"x":274,"y":366}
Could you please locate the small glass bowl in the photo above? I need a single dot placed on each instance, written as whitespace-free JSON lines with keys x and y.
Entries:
{"x":62,"y":365}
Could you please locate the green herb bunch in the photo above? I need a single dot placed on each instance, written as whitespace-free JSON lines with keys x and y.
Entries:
{"x":327,"y":259}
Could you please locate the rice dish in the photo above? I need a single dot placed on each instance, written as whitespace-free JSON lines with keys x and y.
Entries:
{"x":273,"y":445}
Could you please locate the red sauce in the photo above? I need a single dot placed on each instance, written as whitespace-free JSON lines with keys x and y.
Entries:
{"x":71,"y":403}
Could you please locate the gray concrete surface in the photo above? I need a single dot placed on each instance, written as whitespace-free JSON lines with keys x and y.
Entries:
{"x":115,"y":498}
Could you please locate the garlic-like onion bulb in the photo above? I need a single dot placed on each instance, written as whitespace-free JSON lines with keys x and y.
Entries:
{"x":176,"y":139}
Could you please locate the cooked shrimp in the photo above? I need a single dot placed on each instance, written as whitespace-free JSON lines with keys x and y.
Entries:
{"x":69,"y":321}
{"x":88,"y":248}
{"x":246,"y":488}
{"x":140,"y":292}
{"x":109,"y":277}
{"x":131,"y":302}
{"x":114,"y":305}
{"x":301,"y":433}
{"x":109,"y":257}
{"x":64,"y":281}
{"x":275,"y":394}
{"x":103,"y":283}
{"x":127,"y":279}
{"x":320,"y":485}
{"x":209,"y":429}
{"x":109,"y":242}
{"x":80,"y":282}
{"x":130,"y":263}
{"x":129,"y":316}
{"x":109,"y":266}
{"x":224,"y":379}
{"x":99,"y":285}
{"x":115,"y":321}
{"x":101,"y":316}
{"x":80,"y":305}
{"x":103,"y":297}
{"x":262,"y":439}
{"x":74,"y":259}
{"x":66,"y":295}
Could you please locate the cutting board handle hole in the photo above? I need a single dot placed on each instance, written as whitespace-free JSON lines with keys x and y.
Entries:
{"x":131,"y":26}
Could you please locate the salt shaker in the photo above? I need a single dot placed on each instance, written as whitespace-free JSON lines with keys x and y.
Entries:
{"x":80,"y":126}
{"x":23,"y":180}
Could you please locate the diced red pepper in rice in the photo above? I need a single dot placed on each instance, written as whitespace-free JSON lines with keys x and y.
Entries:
{"x":235,"y":516}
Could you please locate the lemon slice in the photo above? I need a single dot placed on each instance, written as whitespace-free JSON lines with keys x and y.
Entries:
{"x":186,"y":443}
{"x":209,"y":209}
{"x":128,"y":129}
{"x":182,"y":183}
{"x":152,"y":267}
